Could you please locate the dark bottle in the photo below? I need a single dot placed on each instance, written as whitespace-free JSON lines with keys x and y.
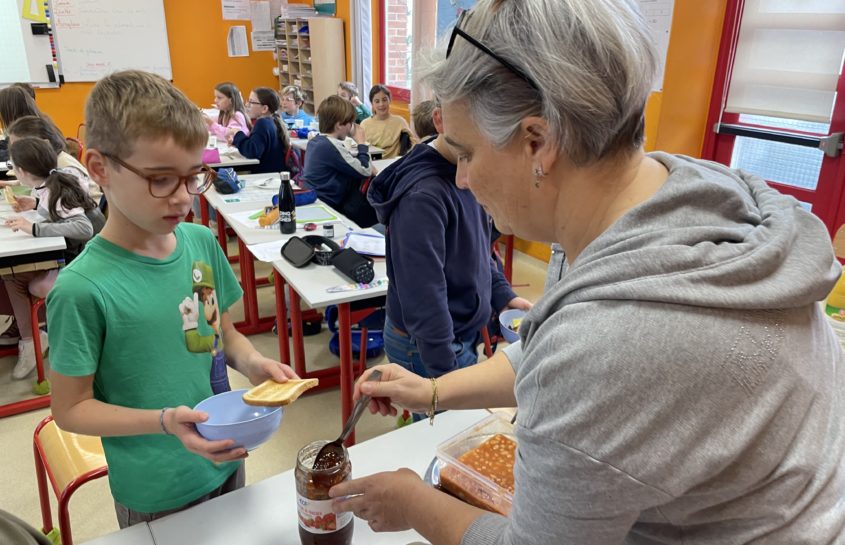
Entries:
{"x":287,"y":206}
{"x":317,"y":524}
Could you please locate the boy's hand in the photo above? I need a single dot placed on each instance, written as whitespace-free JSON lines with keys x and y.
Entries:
{"x":180,"y":422}
{"x":23,"y":203}
{"x":261,"y":368}
{"x":19,"y":224}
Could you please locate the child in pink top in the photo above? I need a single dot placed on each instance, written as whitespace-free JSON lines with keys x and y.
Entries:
{"x":230,"y":103}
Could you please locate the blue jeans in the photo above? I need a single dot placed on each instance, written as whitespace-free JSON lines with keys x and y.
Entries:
{"x":402,"y":349}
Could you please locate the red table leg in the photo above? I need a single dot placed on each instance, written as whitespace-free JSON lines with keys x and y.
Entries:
{"x":282,"y":319}
{"x":204,"y":215}
{"x":509,"y":258}
{"x":345,"y":337}
{"x":296,"y":333}
{"x":252,"y":323}
{"x":221,"y":234}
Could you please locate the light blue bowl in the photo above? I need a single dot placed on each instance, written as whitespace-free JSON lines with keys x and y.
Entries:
{"x":230,"y":418}
{"x":505,"y":319}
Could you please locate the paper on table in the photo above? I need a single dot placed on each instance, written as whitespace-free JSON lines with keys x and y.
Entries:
{"x":268,"y":252}
{"x":364,"y":243}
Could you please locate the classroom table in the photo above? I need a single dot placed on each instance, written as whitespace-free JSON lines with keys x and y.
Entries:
{"x":265,"y":512}
{"x":139,"y":534}
{"x":302,"y":143}
{"x":20,"y":252}
{"x":310,"y":284}
{"x":230,"y":157}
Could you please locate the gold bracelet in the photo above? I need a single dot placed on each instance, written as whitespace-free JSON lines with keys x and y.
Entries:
{"x":433,"y":410}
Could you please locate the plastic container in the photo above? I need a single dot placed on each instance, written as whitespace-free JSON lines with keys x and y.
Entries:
{"x":492,"y":496}
{"x":506,"y":319}
{"x":230,"y":418}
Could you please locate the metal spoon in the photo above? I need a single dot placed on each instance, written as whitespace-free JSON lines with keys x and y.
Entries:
{"x":334,"y":450}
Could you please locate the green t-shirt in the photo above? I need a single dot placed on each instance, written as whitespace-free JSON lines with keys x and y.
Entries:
{"x":145,"y":329}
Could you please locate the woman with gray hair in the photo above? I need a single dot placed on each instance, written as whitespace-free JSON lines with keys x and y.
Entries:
{"x":678,"y":383}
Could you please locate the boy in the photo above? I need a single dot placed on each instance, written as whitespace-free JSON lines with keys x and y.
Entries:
{"x":292,"y":101}
{"x":120,"y":315}
{"x":332,"y":170}
{"x":444,"y":286}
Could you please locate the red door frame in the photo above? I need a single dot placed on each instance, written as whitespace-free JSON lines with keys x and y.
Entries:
{"x":826,"y":198}
{"x":398,"y":93}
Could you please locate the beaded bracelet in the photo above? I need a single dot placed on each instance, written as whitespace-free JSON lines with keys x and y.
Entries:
{"x":161,"y":421}
{"x":433,"y":410}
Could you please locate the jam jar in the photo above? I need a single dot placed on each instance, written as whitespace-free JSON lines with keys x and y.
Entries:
{"x":318,"y":525}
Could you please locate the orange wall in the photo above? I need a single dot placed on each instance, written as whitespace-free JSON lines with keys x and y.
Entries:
{"x":196,"y":32}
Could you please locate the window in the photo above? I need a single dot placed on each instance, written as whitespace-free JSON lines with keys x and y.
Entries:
{"x":396,"y":51}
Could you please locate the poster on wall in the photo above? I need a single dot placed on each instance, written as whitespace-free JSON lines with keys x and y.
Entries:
{"x":235,"y":10}
{"x":236,"y":42}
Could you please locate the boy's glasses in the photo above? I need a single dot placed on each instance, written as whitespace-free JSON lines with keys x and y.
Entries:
{"x":165,"y":184}
{"x":456,"y":31}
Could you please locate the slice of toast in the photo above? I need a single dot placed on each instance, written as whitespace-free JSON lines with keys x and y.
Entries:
{"x":274,"y":394}
{"x":9,"y":195}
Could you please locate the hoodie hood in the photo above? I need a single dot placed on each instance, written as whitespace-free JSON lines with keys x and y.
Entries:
{"x":422,"y":162}
{"x":710,"y":237}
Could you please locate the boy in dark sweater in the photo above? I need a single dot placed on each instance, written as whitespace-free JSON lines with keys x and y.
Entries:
{"x":332,"y":170}
{"x":444,"y":285}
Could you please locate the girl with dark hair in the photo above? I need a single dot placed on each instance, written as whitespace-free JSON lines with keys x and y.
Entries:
{"x":230,"y":104}
{"x":64,"y":210}
{"x":16,"y":102}
{"x":268,"y":141}
{"x":384,"y":129}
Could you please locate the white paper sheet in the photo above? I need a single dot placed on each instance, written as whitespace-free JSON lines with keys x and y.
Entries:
{"x":264,"y":40}
{"x":260,"y":15}
{"x":268,"y":251}
{"x":365,"y":243}
{"x":235,"y":10}
{"x":236,"y":42}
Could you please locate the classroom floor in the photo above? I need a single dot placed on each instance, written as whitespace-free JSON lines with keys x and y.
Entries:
{"x":313,"y":417}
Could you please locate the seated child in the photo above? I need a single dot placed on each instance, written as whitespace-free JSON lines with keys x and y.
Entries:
{"x":66,"y":210}
{"x":349,"y":91}
{"x":230,"y":104}
{"x":140,"y":322}
{"x":332,"y":170}
{"x":385,"y":129}
{"x":269,"y":140}
{"x":423,"y":121}
{"x":292,"y":101}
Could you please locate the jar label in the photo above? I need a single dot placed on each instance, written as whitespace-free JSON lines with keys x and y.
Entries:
{"x":316,"y":516}
{"x":287,"y":217}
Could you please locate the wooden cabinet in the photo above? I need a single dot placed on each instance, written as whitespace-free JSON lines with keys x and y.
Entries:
{"x":311,"y":54}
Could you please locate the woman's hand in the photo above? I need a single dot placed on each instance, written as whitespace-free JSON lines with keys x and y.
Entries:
{"x":398,"y":386}
{"x":381,"y":499}
{"x":24,"y":203}
{"x":520,"y":303}
{"x":19,"y":224}
{"x":260,"y":368}
{"x":181,"y":423}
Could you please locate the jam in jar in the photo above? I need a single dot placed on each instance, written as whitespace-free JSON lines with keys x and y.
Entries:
{"x":318,"y":525}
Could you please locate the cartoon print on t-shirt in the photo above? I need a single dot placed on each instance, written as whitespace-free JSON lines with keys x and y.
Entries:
{"x":205,"y":293}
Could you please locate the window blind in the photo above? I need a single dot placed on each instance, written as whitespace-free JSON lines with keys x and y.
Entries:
{"x":788,"y":59}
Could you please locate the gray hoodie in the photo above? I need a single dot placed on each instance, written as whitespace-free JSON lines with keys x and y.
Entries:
{"x":679,"y":384}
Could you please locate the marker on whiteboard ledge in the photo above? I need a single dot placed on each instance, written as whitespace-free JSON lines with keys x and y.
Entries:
{"x":378,"y":282}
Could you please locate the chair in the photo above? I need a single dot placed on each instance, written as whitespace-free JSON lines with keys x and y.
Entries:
{"x":74,"y":147}
{"x":69,"y":460}
{"x":80,"y":132}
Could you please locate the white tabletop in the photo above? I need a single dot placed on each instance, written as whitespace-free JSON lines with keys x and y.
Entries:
{"x":265,"y":513}
{"x":138,"y":534}
{"x":18,"y":243}
{"x":258,"y":191}
{"x":302,"y":143}
{"x":231,"y":157}
{"x":312,"y":281}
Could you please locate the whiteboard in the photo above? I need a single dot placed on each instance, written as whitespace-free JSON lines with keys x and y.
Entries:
{"x":25,"y":55}
{"x":98,"y":37}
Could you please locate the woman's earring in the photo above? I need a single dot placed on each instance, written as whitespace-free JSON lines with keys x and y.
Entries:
{"x":538,"y":175}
